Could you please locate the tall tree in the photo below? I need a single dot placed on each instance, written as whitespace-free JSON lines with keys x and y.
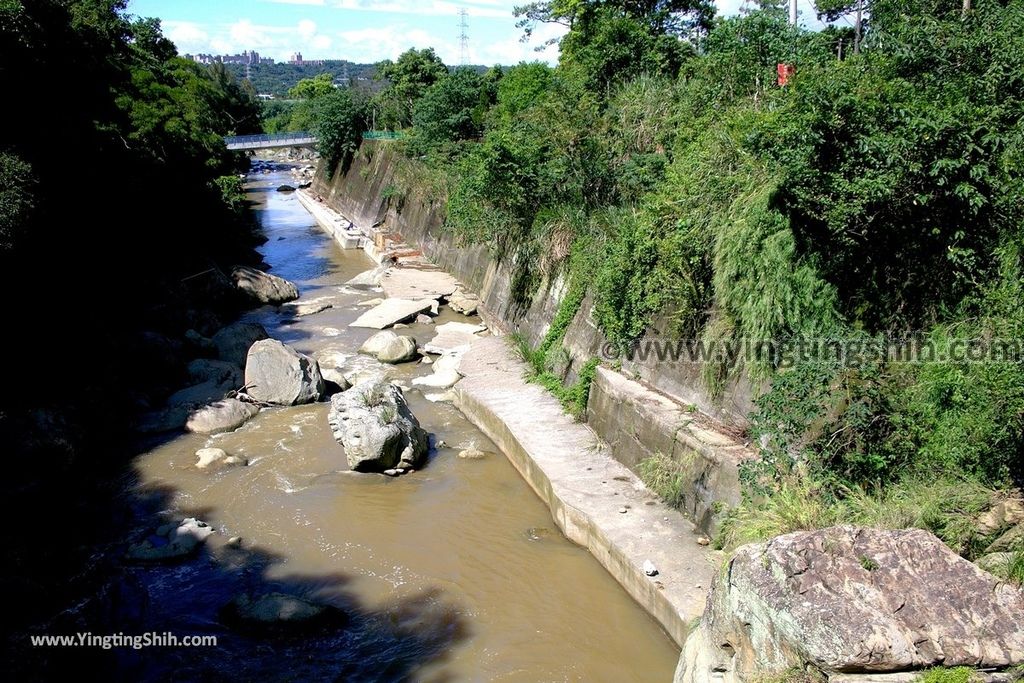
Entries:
{"x":408,"y":78}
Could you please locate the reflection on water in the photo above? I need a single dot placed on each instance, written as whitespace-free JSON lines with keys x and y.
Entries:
{"x":450,"y":572}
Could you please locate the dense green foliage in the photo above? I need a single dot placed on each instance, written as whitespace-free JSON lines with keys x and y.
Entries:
{"x":120,"y":212}
{"x":338,"y":124}
{"x":278,"y":79}
{"x":408,"y":78}
{"x":114,"y":174}
{"x":879,"y":195}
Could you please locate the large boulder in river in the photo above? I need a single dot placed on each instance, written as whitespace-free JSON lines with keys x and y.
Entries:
{"x":277,"y":373}
{"x":233,"y":342}
{"x":346,"y":370}
{"x":222,"y":416}
{"x":379,"y":432}
{"x":388,"y":347}
{"x":264,"y":287}
{"x":852,"y":600}
{"x":217,"y":371}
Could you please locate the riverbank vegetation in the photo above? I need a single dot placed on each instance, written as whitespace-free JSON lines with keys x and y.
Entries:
{"x":877,"y":196}
{"x":117,"y":187}
{"x":120,"y":210}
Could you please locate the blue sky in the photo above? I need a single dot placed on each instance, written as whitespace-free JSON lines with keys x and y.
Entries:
{"x":357,"y":30}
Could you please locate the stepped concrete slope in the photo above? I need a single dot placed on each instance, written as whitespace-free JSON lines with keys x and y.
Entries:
{"x":595,"y":500}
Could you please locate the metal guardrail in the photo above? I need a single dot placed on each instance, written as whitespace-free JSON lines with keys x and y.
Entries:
{"x":296,"y":139}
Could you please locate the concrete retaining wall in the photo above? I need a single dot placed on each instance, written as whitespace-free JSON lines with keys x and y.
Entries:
{"x":366,"y":194}
{"x":638,"y":422}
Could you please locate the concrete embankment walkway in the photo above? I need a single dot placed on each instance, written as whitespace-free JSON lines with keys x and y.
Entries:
{"x":595,"y":500}
{"x":333,"y":223}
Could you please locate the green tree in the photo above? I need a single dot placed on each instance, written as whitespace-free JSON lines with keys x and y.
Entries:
{"x":338,"y":123}
{"x":16,"y":182}
{"x":522,"y":87}
{"x":451,"y":109}
{"x":408,"y":78}
{"x":312,"y":88}
{"x":659,"y":17}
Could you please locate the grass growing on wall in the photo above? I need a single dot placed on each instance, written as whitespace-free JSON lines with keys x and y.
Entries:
{"x":574,"y":396}
{"x":663,"y":475}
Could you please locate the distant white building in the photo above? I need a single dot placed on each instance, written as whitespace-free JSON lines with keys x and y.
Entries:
{"x":248,"y":58}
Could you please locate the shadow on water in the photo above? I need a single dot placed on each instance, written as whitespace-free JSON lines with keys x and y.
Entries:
{"x":189,"y":597}
{"x":69,"y":525}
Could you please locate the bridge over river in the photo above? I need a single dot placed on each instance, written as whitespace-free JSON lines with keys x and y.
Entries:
{"x":296,"y":139}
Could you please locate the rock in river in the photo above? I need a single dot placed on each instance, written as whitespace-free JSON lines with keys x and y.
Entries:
{"x":277,"y":373}
{"x":852,"y":600}
{"x":393,"y":311}
{"x":278,"y":610}
{"x":442,"y":379}
{"x":463,"y":302}
{"x":388,"y":347}
{"x":347,"y":370}
{"x":200,"y":394}
{"x":454,"y":338}
{"x":218,"y":458}
{"x":222,"y":416}
{"x":218,"y":371}
{"x":264,"y":287}
{"x":171,"y":541}
{"x":233,"y":342}
{"x":374,"y":424}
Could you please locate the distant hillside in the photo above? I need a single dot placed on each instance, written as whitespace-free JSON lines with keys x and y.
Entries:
{"x":276,"y":79}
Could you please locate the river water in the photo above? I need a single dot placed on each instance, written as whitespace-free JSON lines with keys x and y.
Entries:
{"x":453,"y":573}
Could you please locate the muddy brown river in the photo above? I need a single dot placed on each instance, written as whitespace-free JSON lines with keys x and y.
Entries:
{"x":453,"y":573}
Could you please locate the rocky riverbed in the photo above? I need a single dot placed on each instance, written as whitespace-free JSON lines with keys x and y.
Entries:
{"x":254,"y":527}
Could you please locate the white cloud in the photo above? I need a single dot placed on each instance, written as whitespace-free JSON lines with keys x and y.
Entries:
{"x":388,"y":35}
{"x":187,"y":35}
{"x":307,"y":28}
{"x":512,"y":50}
{"x":274,"y":41}
{"x":388,"y":42}
{"x":424,"y":7}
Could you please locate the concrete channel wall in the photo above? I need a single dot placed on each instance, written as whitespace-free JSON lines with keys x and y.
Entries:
{"x":646,"y":409}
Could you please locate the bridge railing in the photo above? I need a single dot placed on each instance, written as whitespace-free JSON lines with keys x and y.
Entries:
{"x":282,"y":139}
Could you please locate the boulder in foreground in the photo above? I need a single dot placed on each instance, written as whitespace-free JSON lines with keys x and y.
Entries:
{"x":379,"y":432}
{"x":276,"y":373}
{"x":849,"y":600}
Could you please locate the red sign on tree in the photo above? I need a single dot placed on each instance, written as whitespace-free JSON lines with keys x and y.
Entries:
{"x":785,"y":71}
